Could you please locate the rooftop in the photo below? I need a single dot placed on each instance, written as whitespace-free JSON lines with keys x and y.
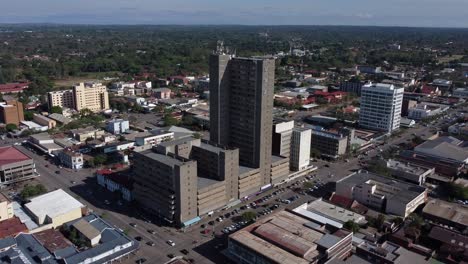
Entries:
{"x":334,"y":212}
{"x":60,"y":118}
{"x":11,"y":227}
{"x":53,"y":204}
{"x":86,"y":229}
{"x":402,"y":191}
{"x":445,"y":147}
{"x":52,"y":240}
{"x":10,"y":154}
{"x":205,"y":182}
{"x":453,"y":212}
{"x":406,"y":167}
{"x":167,"y":160}
{"x":285,"y":237}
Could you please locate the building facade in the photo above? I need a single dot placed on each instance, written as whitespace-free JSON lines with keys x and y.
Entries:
{"x":330,"y":145}
{"x":166,"y":186}
{"x":300,"y":148}
{"x":44,"y":121}
{"x":11,"y":112}
{"x":71,"y":159}
{"x":15,"y":166}
{"x":381,"y":107}
{"x":118,"y":126}
{"x":64,"y":99}
{"x":92,"y":96}
{"x":282,"y":132}
{"x":241,"y":105}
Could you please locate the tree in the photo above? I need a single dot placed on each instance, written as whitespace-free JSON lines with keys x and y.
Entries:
{"x":100,"y":159}
{"x":352,"y":226}
{"x":56,"y":109}
{"x":249,"y":216}
{"x":397,"y":221}
{"x":11,"y":127}
{"x":169,"y":120}
{"x":32,"y":190}
{"x":28,"y":115}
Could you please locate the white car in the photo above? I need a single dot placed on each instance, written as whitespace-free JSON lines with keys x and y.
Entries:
{"x":170,"y":242}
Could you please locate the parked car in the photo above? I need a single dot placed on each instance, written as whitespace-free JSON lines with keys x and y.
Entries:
{"x":171,"y":243}
{"x":133,"y":225}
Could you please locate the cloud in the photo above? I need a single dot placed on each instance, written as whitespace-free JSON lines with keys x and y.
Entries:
{"x":365,"y":15}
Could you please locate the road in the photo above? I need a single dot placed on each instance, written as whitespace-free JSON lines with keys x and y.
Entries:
{"x":206,"y":249}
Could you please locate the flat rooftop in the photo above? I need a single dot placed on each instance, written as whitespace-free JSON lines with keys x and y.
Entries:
{"x":167,"y":160}
{"x":9,"y":155}
{"x":53,"y":204}
{"x":404,"y":192}
{"x":205,"y":182}
{"x":334,"y":212}
{"x":406,"y":167}
{"x":285,"y":237}
{"x":453,"y":212}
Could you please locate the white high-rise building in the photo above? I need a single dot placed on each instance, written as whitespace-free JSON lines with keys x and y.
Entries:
{"x":381,"y":107}
{"x":300,"y":149}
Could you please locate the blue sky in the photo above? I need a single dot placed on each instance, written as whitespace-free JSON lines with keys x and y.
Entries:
{"x":425,"y":13}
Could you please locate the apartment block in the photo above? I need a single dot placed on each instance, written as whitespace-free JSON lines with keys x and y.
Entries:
{"x":11,"y":112}
{"x":166,"y":186}
{"x":181,"y":147}
{"x":92,"y":96}
{"x":64,"y":99}
{"x":329,"y":144}
{"x":281,"y":141}
{"x":241,"y":105}
{"x":381,"y":107}
{"x":118,"y":126}
{"x":300,"y":148}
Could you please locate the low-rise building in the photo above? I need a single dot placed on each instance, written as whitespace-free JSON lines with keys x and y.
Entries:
{"x":446,"y":213}
{"x":59,"y":118}
{"x":82,"y":134}
{"x":461,"y":92}
{"x":11,"y":227}
{"x":34,"y":126}
{"x":330,"y":145}
{"x":54,"y":208}
{"x":45,"y":121}
{"x":162,"y":93}
{"x":425,"y":110}
{"x":409,"y":172}
{"x":388,"y":253}
{"x":118,"y":126}
{"x":15,"y":166}
{"x":288,"y":238}
{"x":116,"y":181}
{"x":154,"y":139}
{"x":458,"y":129}
{"x":451,"y":245}
{"x":44,"y":143}
{"x":327,"y":213}
{"x":7,"y":88}
{"x":444,"y":148}
{"x":382,"y":193}
{"x":6,"y":208}
{"x":71,"y":159}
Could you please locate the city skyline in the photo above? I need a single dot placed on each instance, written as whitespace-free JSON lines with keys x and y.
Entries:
{"x":419,"y":13}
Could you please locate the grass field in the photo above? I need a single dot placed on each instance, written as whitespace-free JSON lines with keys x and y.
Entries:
{"x":91,"y":76}
{"x":446,"y":59}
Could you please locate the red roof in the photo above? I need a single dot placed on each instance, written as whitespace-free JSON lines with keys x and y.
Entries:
{"x":120,"y":177}
{"x":13,"y":87}
{"x":11,"y":227}
{"x":52,"y":240}
{"x":11,"y":155}
{"x":341,"y":201}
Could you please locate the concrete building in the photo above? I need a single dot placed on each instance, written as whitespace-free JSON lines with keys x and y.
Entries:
{"x":381,"y":107}
{"x":241,"y":105}
{"x":59,"y":118}
{"x":352,"y":87}
{"x":54,"y":208}
{"x":15,"y":166}
{"x":281,"y":141}
{"x":451,"y":245}
{"x":11,"y":112}
{"x":116,"y":181}
{"x":64,"y":99}
{"x":446,"y":213}
{"x":279,"y":170}
{"x":387,"y":252}
{"x":118,"y":126}
{"x":154,"y":139}
{"x":330,"y":145}
{"x":6,"y":208}
{"x":326,"y":213}
{"x":166,"y":186}
{"x":409,"y":172}
{"x":92,"y":96}
{"x":162,"y":93}
{"x":425,"y":110}
{"x":385,"y":194}
{"x":44,"y":143}
{"x":444,"y":148}
{"x":288,"y":238}
{"x":71,"y":159}
{"x":181,"y":147}
{"x":82,"y":134}
{"x":44,"y":121}
{"x":300,"y":148}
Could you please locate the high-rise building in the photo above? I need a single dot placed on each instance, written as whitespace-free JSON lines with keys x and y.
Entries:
{"x":11,"y":112}
{"x":92,"y":96}
{"x":381,"y":107}
{"x":300,"y":148}
{"x":282,"y":132}
{"x":241,"y":105}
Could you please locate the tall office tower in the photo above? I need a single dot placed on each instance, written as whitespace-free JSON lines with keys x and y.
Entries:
{"x":381,"y":107}
{"x":300,"y":148}
{"x":92,"y":96}
{"x":241,"y":104}
{"x":282,"y":132}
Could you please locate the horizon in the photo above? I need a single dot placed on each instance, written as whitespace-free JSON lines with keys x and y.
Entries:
{"x":395,"y":13}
